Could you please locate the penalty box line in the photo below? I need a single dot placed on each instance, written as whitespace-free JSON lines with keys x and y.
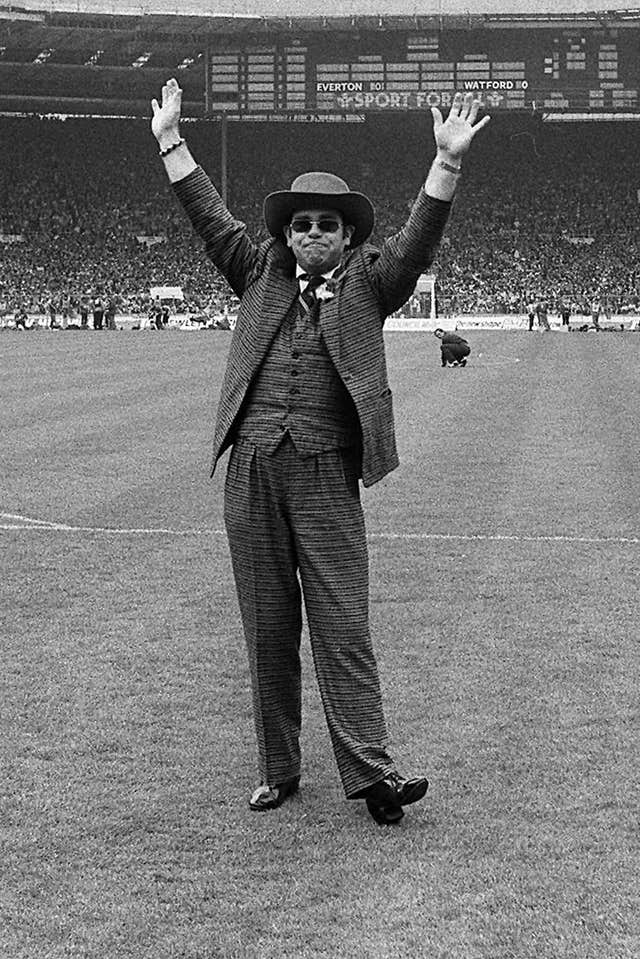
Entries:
{"x":23,"y":524}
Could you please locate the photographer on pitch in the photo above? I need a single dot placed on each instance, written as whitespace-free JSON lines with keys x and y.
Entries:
{"x":306,"y":407}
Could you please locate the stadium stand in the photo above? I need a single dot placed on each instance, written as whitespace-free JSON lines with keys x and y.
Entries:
{"x":544,"y":210}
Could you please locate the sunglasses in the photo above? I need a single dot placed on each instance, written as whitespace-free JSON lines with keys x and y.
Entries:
{"x":303,"y":224}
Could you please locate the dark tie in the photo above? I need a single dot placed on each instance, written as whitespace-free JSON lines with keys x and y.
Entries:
{"x":307,"y":298}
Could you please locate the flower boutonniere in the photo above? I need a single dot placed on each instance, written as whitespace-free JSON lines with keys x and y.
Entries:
{"x":326,"y":290}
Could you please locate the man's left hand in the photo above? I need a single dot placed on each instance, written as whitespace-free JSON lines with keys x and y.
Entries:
{"x":453,"y":136}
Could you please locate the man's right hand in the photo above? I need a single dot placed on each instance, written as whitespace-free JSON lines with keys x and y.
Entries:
{"x":165,"y":124}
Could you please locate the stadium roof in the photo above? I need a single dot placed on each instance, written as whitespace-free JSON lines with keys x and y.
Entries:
{"x":257,"y":9}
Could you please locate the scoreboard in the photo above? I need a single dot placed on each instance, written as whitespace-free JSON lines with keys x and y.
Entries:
{"x":337,"y":76}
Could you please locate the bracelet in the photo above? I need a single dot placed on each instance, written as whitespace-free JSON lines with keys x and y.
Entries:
{"x":449,"y":167}
{"x":173,"y":146}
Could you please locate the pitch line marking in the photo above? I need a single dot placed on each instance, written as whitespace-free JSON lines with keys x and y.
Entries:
{"x":508,"y":537}
{"x":27,"y":519}
{"x":29,"y":524}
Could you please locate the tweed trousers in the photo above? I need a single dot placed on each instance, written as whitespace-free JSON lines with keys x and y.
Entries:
{"x":296,"y":529}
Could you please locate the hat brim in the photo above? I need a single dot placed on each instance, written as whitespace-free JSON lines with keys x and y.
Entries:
{"x":356,"y":209}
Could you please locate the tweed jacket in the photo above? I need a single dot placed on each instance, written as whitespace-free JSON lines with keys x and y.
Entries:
{"x":374,"y":283}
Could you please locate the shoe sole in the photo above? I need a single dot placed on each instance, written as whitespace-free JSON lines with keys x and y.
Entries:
{"x":385,"y":815}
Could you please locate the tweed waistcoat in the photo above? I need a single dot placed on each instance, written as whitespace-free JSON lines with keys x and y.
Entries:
{"x":297,"y":391}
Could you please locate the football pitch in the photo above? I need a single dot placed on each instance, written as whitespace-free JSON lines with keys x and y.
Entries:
{"x":505,"y":562}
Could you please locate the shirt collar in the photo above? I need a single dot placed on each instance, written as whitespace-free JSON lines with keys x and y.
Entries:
{"x":327,"y":275}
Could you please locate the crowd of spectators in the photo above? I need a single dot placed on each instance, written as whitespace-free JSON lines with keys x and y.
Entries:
{"x":543,"y":210}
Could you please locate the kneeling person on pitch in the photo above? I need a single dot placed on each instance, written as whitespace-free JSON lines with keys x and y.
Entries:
{"x":454,"y":350}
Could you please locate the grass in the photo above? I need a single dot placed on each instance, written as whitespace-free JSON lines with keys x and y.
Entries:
{"x":507,"y":648}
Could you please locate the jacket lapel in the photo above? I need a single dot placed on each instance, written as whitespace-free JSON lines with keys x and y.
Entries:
{"x":279,"y":295}
{"x":330,"y":317}
{"x":263,"y":317}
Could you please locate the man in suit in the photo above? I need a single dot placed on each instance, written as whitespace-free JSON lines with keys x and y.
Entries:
{"x":306,"y":407}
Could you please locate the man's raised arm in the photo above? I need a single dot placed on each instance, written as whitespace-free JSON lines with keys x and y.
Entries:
{"x":412,"y":250}
{"x":226,"y":242}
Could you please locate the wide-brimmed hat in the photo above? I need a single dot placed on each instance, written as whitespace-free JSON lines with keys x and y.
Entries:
{"x":316,"y":191}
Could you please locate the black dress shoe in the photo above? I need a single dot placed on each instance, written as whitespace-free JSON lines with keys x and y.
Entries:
{"x":386,"y":798}
{"x":270,"y":797}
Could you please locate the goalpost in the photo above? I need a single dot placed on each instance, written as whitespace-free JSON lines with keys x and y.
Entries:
{"x":421,"y":309}
{"x":426,"y":291}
